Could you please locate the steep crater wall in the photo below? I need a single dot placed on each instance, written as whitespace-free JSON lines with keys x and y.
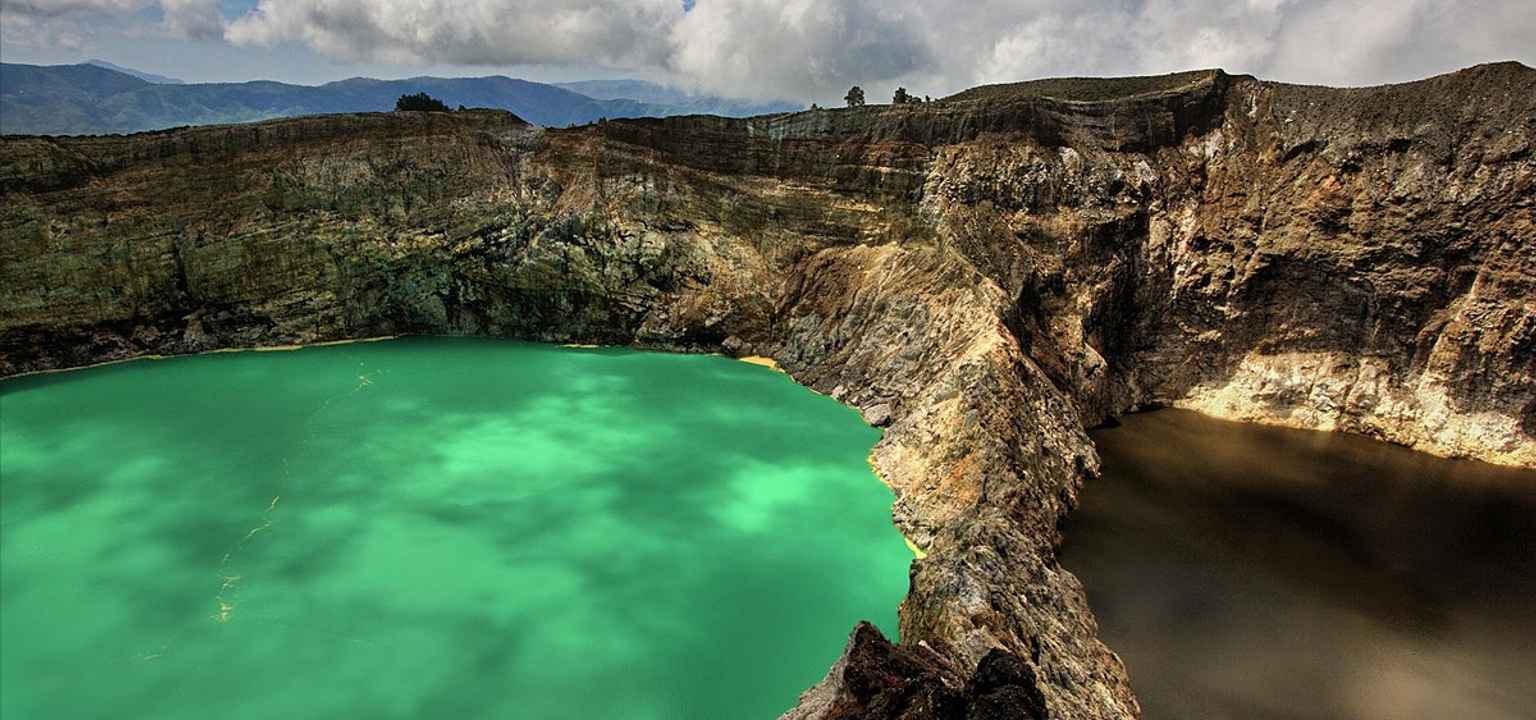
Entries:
{"x":984,"y":276}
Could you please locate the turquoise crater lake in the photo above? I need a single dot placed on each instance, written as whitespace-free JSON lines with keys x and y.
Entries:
{"x":432,"y":528}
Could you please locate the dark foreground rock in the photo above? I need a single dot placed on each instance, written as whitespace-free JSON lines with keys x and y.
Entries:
{"x":984,"y":276}
{"x":875,"y":680}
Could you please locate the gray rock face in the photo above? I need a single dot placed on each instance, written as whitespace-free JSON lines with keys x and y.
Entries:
{"x":983,"y":276}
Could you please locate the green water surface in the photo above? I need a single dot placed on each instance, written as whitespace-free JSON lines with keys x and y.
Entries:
{"x":434,"y":529}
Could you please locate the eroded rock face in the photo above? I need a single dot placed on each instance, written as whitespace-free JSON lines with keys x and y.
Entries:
{"x":984,"y":276}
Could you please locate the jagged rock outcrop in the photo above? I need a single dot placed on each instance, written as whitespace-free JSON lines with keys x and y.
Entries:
{"x":875,"y":680}
{"x":983,"y":276}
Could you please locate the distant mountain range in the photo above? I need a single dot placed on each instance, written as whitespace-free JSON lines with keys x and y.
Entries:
{"x":657,"y":94}
{"x":97,"y":98}
{"x":140,"y":74}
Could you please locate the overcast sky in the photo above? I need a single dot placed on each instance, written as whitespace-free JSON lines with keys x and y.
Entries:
{"x":804,"y":50}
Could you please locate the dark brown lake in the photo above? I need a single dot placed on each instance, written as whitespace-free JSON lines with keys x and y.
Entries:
{"x":1254,"y":572}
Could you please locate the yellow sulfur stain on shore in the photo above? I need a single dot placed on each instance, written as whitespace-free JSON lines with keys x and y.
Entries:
{"x":766,"y":362}
{"x":376,"y":338}
{"x":874,"y":467}
{"x":153,"y":356}
{"x":300,"y":346}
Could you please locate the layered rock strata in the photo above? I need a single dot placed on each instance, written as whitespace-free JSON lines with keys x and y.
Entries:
{"x":983,"y":276}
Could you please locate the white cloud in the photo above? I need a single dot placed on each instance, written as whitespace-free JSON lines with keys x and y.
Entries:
{"x":622,"y":33}
{"x":815,"y":49}
{"x":774,"y":48}
{"x":75,"y":23}
{"x":1106,"y":38}
{"x":55,"y":8}
{"x":196,"y":19}
{"x":18,"y":30}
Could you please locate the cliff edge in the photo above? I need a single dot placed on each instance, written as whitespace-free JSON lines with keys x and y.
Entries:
{"x":984,"y":276}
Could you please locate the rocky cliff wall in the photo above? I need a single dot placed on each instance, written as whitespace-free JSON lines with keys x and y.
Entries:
{"x":984,"y":276}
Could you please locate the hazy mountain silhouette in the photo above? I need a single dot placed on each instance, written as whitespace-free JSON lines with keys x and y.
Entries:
{"x":140,"y":74}
{"x":91,"y":99}
{"x":656,"y":93}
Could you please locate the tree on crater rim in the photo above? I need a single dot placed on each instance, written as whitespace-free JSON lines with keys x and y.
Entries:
{"x":420,"y":102}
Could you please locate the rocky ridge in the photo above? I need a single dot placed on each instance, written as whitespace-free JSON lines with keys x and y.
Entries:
{"x":983,"y":276}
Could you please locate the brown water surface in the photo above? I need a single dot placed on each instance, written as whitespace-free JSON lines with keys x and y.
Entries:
{"x":1255,"y":572}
